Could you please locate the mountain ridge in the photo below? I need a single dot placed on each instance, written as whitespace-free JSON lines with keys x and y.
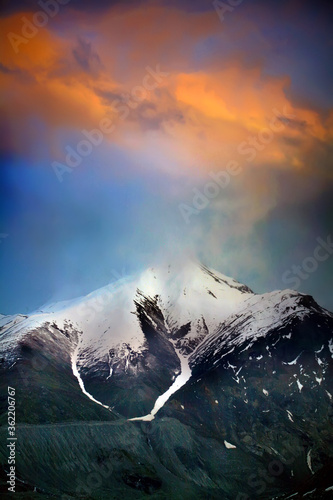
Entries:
{"x":205,"y":362}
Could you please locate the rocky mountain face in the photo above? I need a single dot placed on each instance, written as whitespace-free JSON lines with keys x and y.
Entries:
{"x":177,"y":383}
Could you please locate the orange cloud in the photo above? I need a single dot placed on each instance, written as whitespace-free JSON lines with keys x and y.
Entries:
{"x":200,"y":118}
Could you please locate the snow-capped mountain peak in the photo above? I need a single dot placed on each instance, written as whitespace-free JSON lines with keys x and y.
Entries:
{"x":185,"y":342}
{"x":187,"y":294}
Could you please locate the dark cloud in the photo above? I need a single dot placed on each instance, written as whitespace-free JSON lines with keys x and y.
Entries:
{"x":319,"y":11}
{"x":108,"y":96}
{"x":86,"y":57}
{"x":7,"y":71}
{"x":150,"y":118}
{"x":24,"y":76}
{"x":296,"y":124}
{"x":292,"y":141}
{"x":10,"y":7}
{"x":146,"y":113}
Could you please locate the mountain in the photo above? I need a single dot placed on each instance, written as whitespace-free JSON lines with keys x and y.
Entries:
{"x":178,"y":382}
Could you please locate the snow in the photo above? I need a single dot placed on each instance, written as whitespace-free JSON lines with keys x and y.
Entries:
{"x":11,"y":330}
{"x":330,"y":346}
{"x":290,"y":415}
{"x":293,"y":495}
{"x":300,"y":386}
{"x":106,"y":317}
{"x":254,"y":318}
{"x":8,"y":321}
{"x":81,"y":384}
{"x":292,"y":362}
{"x":184,"y":293}
{"x":308,"y":461}
{"x":229,"y":445}
{"x":309,"y":492}
{"x":178,"y":383}
{"x":200,"y":283}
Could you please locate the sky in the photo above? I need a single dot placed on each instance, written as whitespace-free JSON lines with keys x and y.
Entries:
{"x":147,"y":130}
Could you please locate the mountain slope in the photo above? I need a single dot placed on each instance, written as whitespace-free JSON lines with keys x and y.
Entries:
{"x":241,"y":386}
{"x":132,"y":335}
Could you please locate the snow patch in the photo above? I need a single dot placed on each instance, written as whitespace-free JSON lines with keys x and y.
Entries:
{"x":292,"y":362}
{"x":229,"y":445}
{"x":308,"y":461}
{"x":330,"y":346}
{"x":78,"y":376}
{"x":300,"y":386}
{"x":309,"y":492}
{"x":181,"y":380}
{"x":290,"y":415}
